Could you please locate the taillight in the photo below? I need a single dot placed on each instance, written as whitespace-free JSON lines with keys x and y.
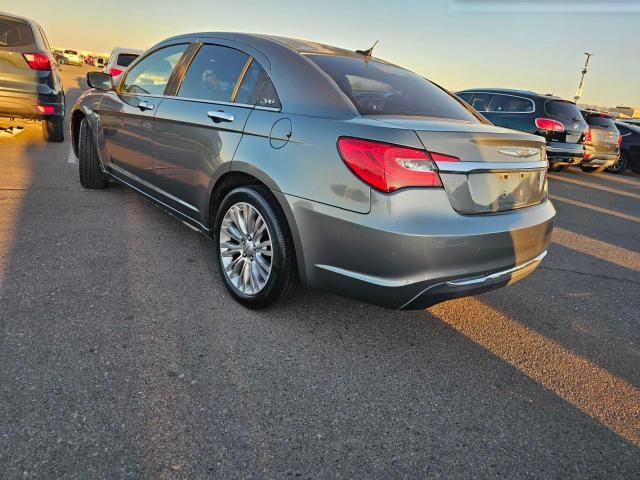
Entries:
{"x":587,"y":135}
{"x":389,"y":167}
{"x":37,"y":61}
{"x":46,"y":109}
{"x":549,"y":124}
{"x":114,"y":72}
{"x":619,"y":140}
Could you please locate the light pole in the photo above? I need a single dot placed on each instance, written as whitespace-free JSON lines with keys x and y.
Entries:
{"x":584,"y":72}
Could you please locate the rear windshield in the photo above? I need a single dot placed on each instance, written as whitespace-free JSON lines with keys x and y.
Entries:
{"x":376,"y":88}
{"x":126,"y":59}
{"x":561,"y":110}
{"x":600,"y":121}
{"x":15,"y":33}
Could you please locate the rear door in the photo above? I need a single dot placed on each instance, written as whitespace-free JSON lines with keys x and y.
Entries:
{"x":18,"y":82}
{"x":199,"y":127}
{"x":127,"y":115}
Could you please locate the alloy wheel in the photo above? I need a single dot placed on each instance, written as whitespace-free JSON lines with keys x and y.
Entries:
{"x":245,"y":248}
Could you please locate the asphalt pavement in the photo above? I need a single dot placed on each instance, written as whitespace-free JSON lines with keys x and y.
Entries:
{"x":122,"y":355}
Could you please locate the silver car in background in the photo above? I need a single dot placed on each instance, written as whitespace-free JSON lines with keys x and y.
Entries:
{"x":319,"y":164}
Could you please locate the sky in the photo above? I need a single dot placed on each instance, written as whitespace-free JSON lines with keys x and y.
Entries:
{"x":456,"y":43}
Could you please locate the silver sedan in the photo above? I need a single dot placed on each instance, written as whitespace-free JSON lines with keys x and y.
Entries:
{"x":314,"y":164}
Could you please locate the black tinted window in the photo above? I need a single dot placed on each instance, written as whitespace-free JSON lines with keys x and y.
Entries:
{"x":257,"y":89}
{"x":213,"y":74}
{"x":377,"y":88}
{"x":509,"y":104}
{"x":563,"y":110}
{"x":481,"y":101}
{"x":126,"y":59}
{"x":15,"y":33}
{"x":152,"y":74}
{"x":599,"y":121}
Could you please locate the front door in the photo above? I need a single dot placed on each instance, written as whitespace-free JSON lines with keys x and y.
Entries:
{"x":127,"y":115}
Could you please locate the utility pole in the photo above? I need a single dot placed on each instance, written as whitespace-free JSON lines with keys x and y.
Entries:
{"x":584,"y":72}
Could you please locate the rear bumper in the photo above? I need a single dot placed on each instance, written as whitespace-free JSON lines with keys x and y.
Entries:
{"x":25,"y":106}
{"x":565,"y":153}
{"x":413,"y":250}
{"x":593,"y":158}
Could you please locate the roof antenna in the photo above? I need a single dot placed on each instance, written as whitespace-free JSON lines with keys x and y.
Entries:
{"x":367,"y":53}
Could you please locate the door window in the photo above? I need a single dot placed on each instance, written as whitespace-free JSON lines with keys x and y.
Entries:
{"x":257,"y":89}
{"x":213,"y":74}
{"x":480,"y":101}
{"x":152,"y":74}
{"x":510,"y":104}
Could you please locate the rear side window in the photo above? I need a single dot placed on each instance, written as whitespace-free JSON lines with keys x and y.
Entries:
{"x":376,"y":88}
{"x":126,"y":59}
{"x":15,"y":33}
{"x":213,"y":74}
{"x":71,"y":52}
{"x":151,"y":75}
{"x":565,"y":111}
{"x":510,"y":104}
{"x":257,"y":89}
{"x":599,"y":121}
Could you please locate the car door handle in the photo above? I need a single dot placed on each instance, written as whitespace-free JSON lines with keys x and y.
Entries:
{"x":145,"y":106}
{"x":220,"y":116}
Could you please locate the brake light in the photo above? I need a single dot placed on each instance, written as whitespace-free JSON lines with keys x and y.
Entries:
{"x":549,"y":124}
{"x":587,"y":135}
{"x":388,"y":167}
{"x":37,"y":61}
{"x":619,"y":140}
{"x":46,"y":109}
{"x":114,"y":72}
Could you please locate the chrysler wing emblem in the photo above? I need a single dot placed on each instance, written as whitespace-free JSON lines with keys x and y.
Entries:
{"x":520,"y":152}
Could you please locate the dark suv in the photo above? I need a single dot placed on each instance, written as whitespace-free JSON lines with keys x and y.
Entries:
{"x":30,"y":85}
{"x":558,"y":121}
{"x":602,"y":142}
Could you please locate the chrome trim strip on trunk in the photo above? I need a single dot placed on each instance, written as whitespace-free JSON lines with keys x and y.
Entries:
{"x":468,"y":167}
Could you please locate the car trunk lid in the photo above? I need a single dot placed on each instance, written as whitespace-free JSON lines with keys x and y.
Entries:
{"x":499,"y":169}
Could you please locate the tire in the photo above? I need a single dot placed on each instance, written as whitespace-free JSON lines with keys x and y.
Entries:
{"x":620,"y":166}
{"x":593,"y":170}
{"x":242,"y":250}
{"x":53,"y":130}
{"x":557,"y":168}
{"x":90,"y":172}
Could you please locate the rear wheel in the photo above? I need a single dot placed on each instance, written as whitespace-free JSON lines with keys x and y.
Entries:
{"x":90,"y":171}
{"x":53,"y":129}
{"x":620,"y":166}
{"x":255,"y":253}
{"x":593,"y":170}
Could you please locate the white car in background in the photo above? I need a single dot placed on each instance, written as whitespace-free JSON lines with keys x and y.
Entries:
{"x":120,"y":59}
{"x":73,"y":57}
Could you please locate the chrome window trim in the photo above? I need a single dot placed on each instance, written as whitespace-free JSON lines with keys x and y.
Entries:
{"x":197,"y":100}
{"x":504,"y":95}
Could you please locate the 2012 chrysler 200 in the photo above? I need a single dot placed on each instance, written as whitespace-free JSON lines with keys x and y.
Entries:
{"x":306,"y":161}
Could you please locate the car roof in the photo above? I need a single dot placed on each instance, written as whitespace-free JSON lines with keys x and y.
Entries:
{"x":513,"y":91}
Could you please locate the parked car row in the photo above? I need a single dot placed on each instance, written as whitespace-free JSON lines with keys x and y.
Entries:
{"x":586,"y":138}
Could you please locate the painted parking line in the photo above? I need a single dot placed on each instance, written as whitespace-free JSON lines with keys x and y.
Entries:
{"x":595,"y":208}
{"x":606,"y":398}
{"x":597,"y":249}
{"x":71,"y":156}
{"x":595,"y":186}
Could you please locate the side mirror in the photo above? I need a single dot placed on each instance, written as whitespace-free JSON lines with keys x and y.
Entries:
{"x":100,"y":80}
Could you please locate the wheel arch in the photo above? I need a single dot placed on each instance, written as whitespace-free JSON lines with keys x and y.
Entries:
{"x":246,"y":175}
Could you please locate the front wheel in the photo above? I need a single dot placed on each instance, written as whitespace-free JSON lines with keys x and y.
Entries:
{"x":255,"y":252}
{"x":619,"y":167}
{"x":90,"y":172}
{"x":53,"y":129}
{"x":593,"y":170}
